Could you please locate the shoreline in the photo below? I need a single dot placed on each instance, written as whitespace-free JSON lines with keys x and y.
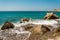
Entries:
{"x":31,"y":29}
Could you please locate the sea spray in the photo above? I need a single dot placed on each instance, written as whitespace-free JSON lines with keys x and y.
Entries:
{"x":53,"y":23}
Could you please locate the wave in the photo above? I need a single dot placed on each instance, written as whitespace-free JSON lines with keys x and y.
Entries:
{"x":53,"y":23}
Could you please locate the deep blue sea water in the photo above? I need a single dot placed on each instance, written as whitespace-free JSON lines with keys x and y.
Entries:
{"x":14,"y":16}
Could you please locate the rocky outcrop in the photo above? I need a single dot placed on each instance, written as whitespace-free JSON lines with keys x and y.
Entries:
{"x":46,"y":33}
{"x":7,"y":25}
{"x":49,"y":16}
{"x":36,"y":29}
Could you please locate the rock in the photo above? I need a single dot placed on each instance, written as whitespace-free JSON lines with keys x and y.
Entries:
{"x":47,"y":35}
{"x":12,"y":34}
{"x":7,"y":25}
{"x":40,"y":29}
{"x":28,"y":27}
{"x":50,"y":16}
{"x":50,"y":39}
{"x":56,"y":30}
{"x":25,"y":20}
{"x":37,"y":29}
{"x":57,"y":38}
{"x":45,"y":29}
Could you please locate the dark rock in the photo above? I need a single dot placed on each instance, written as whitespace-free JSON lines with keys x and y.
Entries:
{"x":7,"y":25}
{"x":45,"y":29}
{"x":25,"y":20}
{"x":28,"y":27}
{"x":49,"y":16}
{"x":56,"y":30}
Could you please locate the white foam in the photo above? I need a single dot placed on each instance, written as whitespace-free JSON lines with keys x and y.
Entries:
{"x":36,"y":22}
{"x":53,"y":23}
{"x":42,"y":22}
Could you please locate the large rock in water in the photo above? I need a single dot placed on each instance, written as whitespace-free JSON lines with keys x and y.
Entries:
{"x":28,"y":27}
{"x":25,"y":20}
{"x":7,"y":25}
{"x":50,"y":16}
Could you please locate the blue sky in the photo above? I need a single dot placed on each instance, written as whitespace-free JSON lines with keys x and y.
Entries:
{"x":29,"y":5}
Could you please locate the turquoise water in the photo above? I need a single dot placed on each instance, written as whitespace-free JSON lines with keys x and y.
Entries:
{"x":14,"y":16}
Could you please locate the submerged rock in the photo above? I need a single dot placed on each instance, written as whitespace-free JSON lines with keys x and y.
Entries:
{"x":50,"y":16}
{"x":7,"y":25}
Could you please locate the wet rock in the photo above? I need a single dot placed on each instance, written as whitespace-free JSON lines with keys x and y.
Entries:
{"x":28,"y":27}
{"x":50,"y":16}
{"x":7,"y":25}
{"x":25,"y":20}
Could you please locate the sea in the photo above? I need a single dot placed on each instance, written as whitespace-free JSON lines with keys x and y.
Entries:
{"x":15,"y":16}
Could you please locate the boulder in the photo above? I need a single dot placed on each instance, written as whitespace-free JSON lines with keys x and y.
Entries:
{"x":45,"y":29}
{"x":56,"y":30}
{"x":36,"y":29}
{"x":28,"y":27}
{"x":49,"y":16}
{"x":25,"y":20}
{"x":40,"y":29}
{"x":7,"y":25}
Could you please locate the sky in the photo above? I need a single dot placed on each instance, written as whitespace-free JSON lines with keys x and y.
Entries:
{"x":29,"y":5}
